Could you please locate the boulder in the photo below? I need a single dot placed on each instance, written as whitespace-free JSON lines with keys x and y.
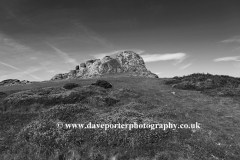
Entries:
{"x":25,"y":82}
{"x":83,"y":65}
{"x":133,"y":63}
{"x":110,"y":66}
{"x":72,"y":74}
{"x":130,"y":61}
{"x":60,"y":76}
{"x":81,"y":72}
{"x":77,"y":67}
{"x":89,"y":62}
{"x":106,"y":59}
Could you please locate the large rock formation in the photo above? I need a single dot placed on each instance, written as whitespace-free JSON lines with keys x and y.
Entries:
{"x":125,"y":62}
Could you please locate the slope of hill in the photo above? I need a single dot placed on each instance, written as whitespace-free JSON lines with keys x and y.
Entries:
{"x":30,"y":115}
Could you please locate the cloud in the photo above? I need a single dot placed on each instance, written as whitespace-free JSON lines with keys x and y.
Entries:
{"x":64,"y":55}
{"x":236,"y":58}
{"x":158,"y":73}
{"x":33,"y":58}
{"x":9,"y":44}
{"x":51,"y":71}
{"x":10,"y":66}
{"x":179,"y":57}
{"x":236,"y":49}
{"x":17,"y":75}
{"x":138,"y":51}
{"x":236,"y":65}
{"x":90,"y":33}
{"x":164,"y":57}
{"x":235,"y":39}
{"x":179,"y":61}
{"x":28,"y":71}
{"x":185,"y":66}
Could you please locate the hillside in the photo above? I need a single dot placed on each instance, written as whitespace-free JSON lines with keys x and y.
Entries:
{"x":30,"y":113}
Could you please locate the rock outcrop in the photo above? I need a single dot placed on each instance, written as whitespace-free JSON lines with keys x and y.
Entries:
{"x":125,"y":62}
{"x":60,"y":76}
{"x":10,"y":82}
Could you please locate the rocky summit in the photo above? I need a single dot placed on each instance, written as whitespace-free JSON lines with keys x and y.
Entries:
{"x":125,"y":62}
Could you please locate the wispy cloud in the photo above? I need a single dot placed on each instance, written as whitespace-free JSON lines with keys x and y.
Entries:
{"x":236,"y":65}
{"x":51,"y":71}
{"x":235,"y":39}
{"x":64,"y":55}
{"x":236,"y":49}
{"x":181,"y":60}
{"x":179,"y":57}
{"x":138,"y":51}
{"x":89,"y":33}
{"x":7,"y":43}
{"x":10,"y":66}
{"x":28,"y":71}
{"x":158,"y":73}
{"x":185,"y":66}
{"x":235,"y":58}
{"x":33,"y":58}
{"x":164,"y":57}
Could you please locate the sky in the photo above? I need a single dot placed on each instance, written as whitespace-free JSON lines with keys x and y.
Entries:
{"x":41,"y":38}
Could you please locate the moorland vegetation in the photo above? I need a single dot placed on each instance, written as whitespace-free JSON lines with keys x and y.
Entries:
{"x":29,"y":115}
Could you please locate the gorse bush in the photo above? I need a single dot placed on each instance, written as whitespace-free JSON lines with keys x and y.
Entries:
{"x":2,"y":94}
{"x":218,"y":80}
{"x":37,"y":99}
{"x":67,"y":112}
{"x":226,"y":85}
{"x":70,"y":85}
{"x":102,"y":83}
{"x":48,"y":97}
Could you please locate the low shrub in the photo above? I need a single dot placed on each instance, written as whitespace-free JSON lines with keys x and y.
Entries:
{"x":67,"y":112}
{"x":213,"y":85}
{"x":186,"y":85}
{"x":2,"y":94}
{"x":102,"y":83}
{"x":22,"y":101}
{"x":70,"y":85}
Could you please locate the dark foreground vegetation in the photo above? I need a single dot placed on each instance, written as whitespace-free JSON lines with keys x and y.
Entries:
{"x":213,"y":85}
{"x":29,"y":117}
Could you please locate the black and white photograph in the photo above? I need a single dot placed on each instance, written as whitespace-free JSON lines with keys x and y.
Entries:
{"x":119,"y":79}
